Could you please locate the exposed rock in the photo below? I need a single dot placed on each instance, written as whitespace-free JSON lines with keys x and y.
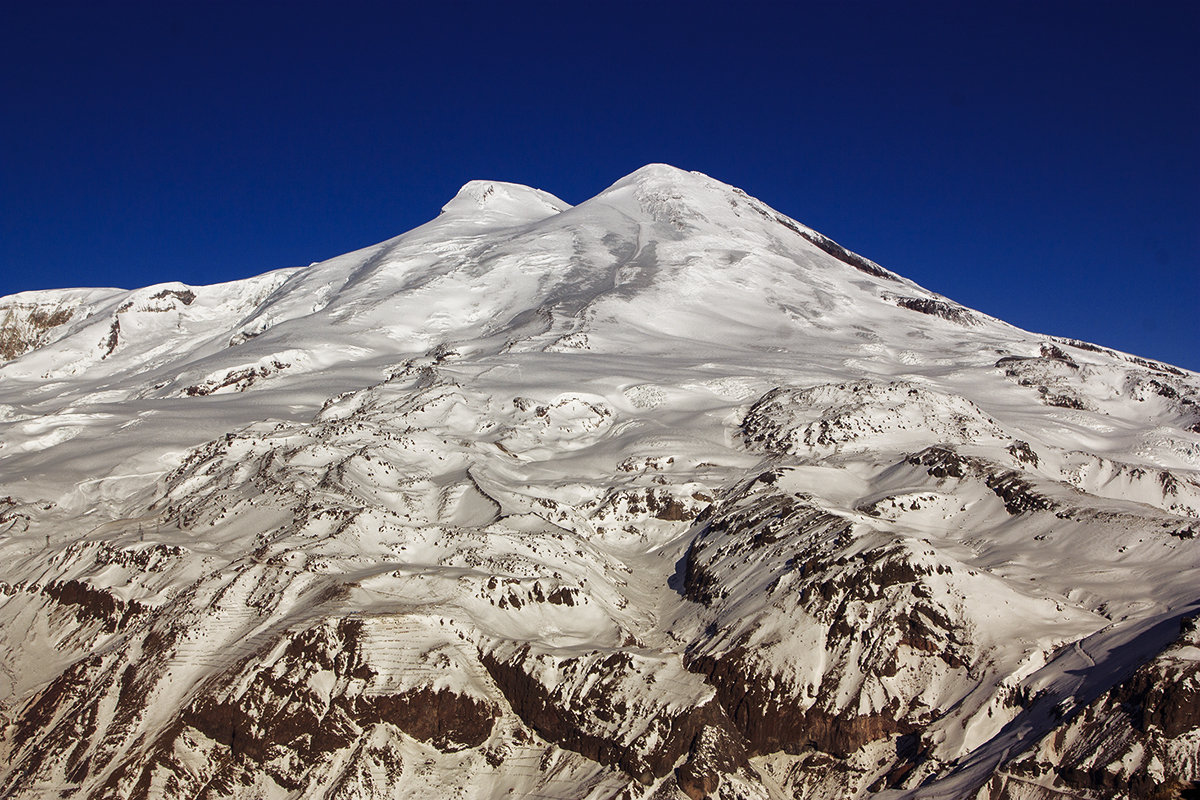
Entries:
{"x":26,"y":326}
{"x":291,"y":715}
{"x":828,"y":581}
{"x":185,"y":296}
{"x":1018,"y":494}
{"x":1057,"y":354}
{"x":1023,"y":453}
{"x":951,"y":312}
{"x":109,"y":345}
{"x":239,"y":380}
{"x":584,"y":710}
{"x":856,"y":415}
{"x":840,"y":253}
{"x":1016,"y":490}
{"x":714,"y":754}
{"x":93,"y":603}
{"x":1140,"y":739}
{"x":774,"y":721}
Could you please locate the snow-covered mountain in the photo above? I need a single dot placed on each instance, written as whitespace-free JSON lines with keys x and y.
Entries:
{"x":662,"y":495}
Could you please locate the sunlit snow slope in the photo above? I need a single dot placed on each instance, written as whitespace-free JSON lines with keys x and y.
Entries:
{"x":662,"y":495}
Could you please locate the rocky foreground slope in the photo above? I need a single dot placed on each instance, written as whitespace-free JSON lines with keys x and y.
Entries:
{"x":662,"y":495}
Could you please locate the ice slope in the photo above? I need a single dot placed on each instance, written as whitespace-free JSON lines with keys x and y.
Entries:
{"x":661,"y":493}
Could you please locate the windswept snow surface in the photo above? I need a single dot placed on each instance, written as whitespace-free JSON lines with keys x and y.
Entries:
{"x":661,"y":495}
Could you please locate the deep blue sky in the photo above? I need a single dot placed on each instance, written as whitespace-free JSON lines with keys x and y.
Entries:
{"x":1037,"y":161}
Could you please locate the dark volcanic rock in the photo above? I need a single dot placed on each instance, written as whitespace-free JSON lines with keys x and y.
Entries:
{"x":1015,"y":489}
{"x":840,"y":253}
{"x":773,"y":721}
{"x":589,"y":721}
{"x":93,"y":603}
{"x":824,"y":580}
{"x":1135,"y":740}
{"x":1018,"y":494}
{"x":274,"y":718}
{"x":951,"y":312}
{"x":25,"y":326}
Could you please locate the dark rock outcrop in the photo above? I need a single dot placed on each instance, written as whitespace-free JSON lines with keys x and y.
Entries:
{"x":830,"y":247}
{"x":588,"y":721}
{"x":773,"y":720}
{"x":951,"y":312}
{"x":26,"y":326}
{"x":1135,"y":740}
{"x":93,"y":603}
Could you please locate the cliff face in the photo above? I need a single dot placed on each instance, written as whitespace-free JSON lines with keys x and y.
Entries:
{"x":26,"y":326}
{"x":661,"y":496}
{"x":1139,"y":738}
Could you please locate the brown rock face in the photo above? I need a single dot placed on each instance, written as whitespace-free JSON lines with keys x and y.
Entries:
{"x":714,"y":752}
{"x":824,"y":574}
{"x":25,"y":326}
{"x":1171,"y":705}
{"x":837,"y":251}
{"x":771,"y":720}
{"x":937,"y":308}
{"x":65,"y":693}
{"x":92,"y":603}
{"x":285,"y":719}
{"x":1017,"y":493}
{"x":702,"y":733}
{"x":279,"y":707}
{"x":1167,"y":689}
{"x":446,"y":720}
{"x":1136,"y":739}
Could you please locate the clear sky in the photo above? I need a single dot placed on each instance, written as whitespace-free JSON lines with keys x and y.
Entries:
{"x":1036,"y":161}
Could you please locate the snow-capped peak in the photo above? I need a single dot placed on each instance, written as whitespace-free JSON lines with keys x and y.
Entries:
{"x":654,"y":183}
{"x":486,"y":199}
{"x":663,"y":174}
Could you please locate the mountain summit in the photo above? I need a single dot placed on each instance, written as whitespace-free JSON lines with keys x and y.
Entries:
{"x":662,"y":495}
{"x":482,"y":199}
